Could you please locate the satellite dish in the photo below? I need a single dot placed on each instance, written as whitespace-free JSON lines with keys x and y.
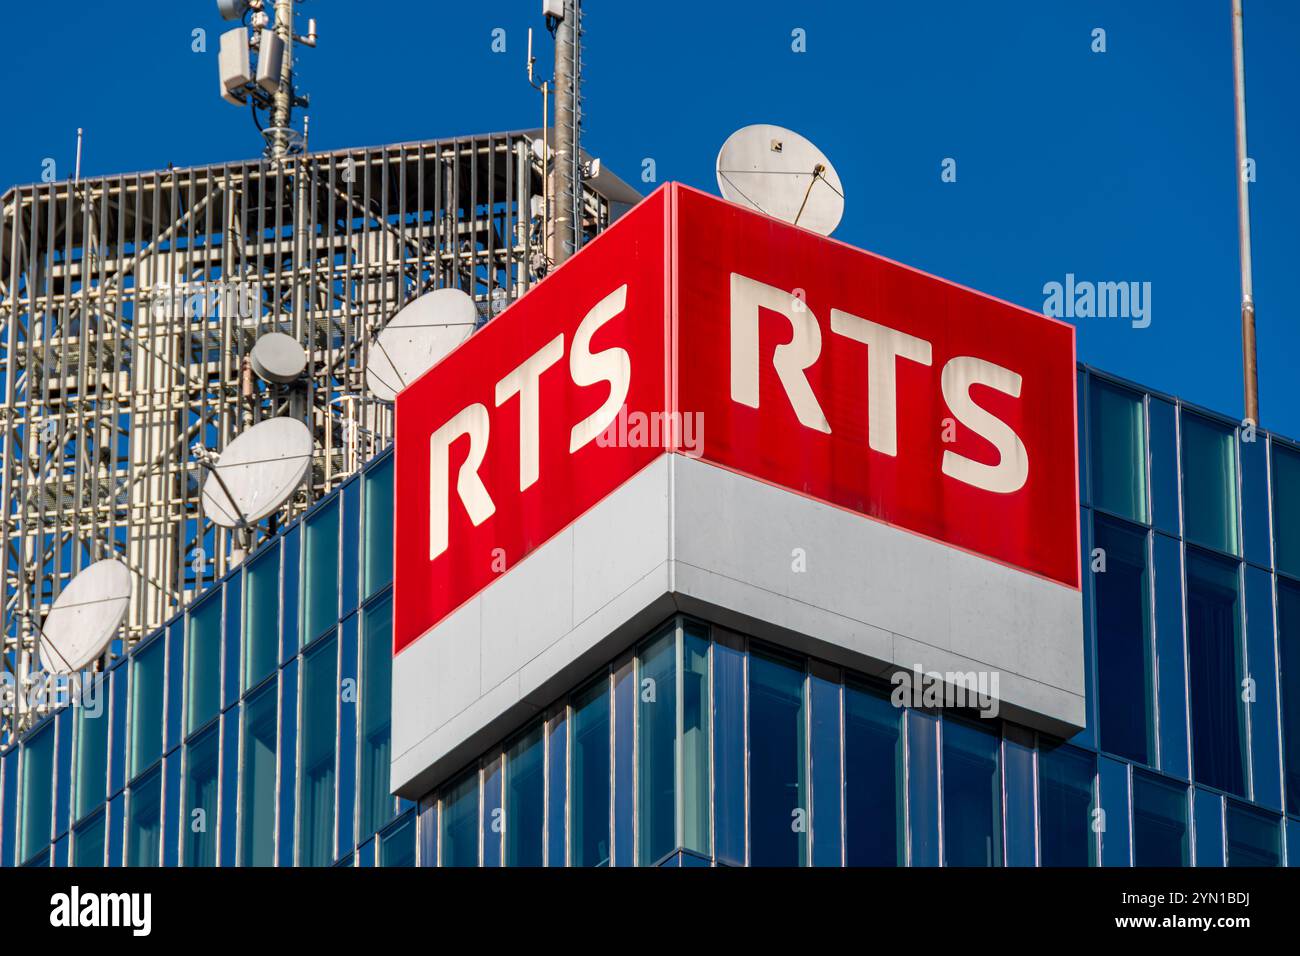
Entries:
{"x":85,"y":616}
{"x":780,"y":174}
{"x":278,"y":358}
{"x":257,"y":472}
{"x":417,"y":338}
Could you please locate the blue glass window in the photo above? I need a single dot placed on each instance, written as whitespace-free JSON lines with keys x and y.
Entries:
{"x":922,"y":732}
{"x":379,"y":526}
{"x":1019,"y":810}
{"x":1207,"y":827}
{"x":1065,"y":806}
{"x":229,"y":802}
{"x":321,"y":593}
{"x":291,"y":593}
{"x":319,"y":735}
{"x":1209,"y":484}
{"x":1288,"y":632}
{"x":376,"y":726}
{"x":694,"y":735}
{"x":972,"y":795}
{"x":493,"y":812}
{"x":557,"y":770}
{"x":873,"y":779}
{"x":778,"y":769}
{"x":1254,"y":838}
{"x":656,"y":733}
{"x":624,"y":760}
{"x":1215,"y":672}
{"x":147,"y":669}
{"x":119,"y":699}
{"x":589,"y":809}
{"x":729,"y":749}
{"x":38,"y":792}
{"x":62,"y":778}
{"x":346,"y":783}
{"x":460,"y":822}
{"x":397,"y":846}
{"x":203,"y":668}
{"x":824,"y":757}
{"x":232,"y":641}
{"x":350,"y":549}
{"x":525,"y":799}
{"x":1286,"y":509}
{"x":257,"y":780}
{"x":427,"y":831}
{"x":171,"y":828}
{"x":144,"y":830}
{"x":1124,"y":658}
{"x":88,"y":842}
{"x":262,"y":616}
{"x":287,"y":794}
{"x":175,"y":684}
{"x":92,"y":748}
{"x":199,"y":813}
{"x":1118,"y":451}
{"x":1159,"y":823}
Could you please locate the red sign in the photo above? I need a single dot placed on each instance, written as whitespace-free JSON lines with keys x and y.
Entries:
{"x":695,"y":326}
{"x":496,"y":446}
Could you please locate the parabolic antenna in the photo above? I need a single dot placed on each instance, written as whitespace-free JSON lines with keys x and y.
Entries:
{"x":85,"y":616}
{"x":277,"y":358}
{"x":416,"y":339}
{"x":779,"y":173}
{"x":257,"y":472}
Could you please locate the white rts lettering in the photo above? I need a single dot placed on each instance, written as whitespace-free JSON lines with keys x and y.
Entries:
{"x":524,"y":382}
{"x":789,"y":360}
{"x":1012,"y":470}
{"x":474,"y":422}
{"x":884,"y":347}
{"x":612,"y":365}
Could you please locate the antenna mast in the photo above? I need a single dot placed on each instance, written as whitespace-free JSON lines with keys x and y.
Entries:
{"x":568,"y":130}
{"x":269,"y":86}
{"x":1249,"y":367}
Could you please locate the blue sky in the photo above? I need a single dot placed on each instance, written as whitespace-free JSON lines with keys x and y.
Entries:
{"x":1114,"y":166}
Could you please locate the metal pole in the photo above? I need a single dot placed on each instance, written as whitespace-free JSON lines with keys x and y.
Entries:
{"x":1249,"y":367}
{"x":568,"y":116}
{"x":282,"y":102}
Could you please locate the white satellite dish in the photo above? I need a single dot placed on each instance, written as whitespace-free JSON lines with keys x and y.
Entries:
{"x":416,"y":339}
{"x":779,"y":173}
{"x":257,"y":472}
{"x":85,"y":616}
{"x":278,"y":358}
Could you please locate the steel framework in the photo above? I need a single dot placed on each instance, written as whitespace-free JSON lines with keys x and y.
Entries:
{"x":129,"y":305}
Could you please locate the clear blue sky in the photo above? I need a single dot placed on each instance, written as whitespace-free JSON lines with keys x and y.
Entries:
{"x":1114,"y":166}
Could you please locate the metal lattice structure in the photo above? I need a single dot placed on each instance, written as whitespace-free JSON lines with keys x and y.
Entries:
{"x":129,"y":305}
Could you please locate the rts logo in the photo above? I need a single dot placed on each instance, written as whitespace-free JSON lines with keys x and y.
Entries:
{"x":611,"y":366}
{"x":886,"y":347}
{"x":816,"y":367}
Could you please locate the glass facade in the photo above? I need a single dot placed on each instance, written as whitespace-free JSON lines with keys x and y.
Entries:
{"x":254,"y":729}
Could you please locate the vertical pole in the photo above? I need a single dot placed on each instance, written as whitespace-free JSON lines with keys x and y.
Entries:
{"x":283,"y":101}
{"x":1249,"y":367}
{"x":568,"y":116}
